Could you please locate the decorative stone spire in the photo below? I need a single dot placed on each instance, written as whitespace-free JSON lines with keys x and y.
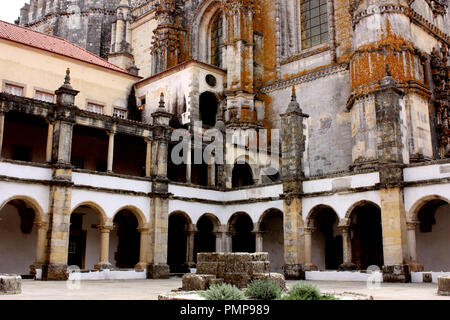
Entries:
{"x":162,"y":103}
{"x":294,"y":106}
{"x":388,"y":80}
{"x":161,"y":117}
{"x":65,"y":95}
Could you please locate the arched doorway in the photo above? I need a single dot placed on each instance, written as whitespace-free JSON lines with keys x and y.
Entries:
{"x":366,"y":236}
{"x":432,"y":235}
{"x":208,"y":109}
{"x":205,"y":240}
{"x":125,"y":239}
{"x":327,"y":249}
{"x":18,"y":236}
{"x":271,"y":227}
{"x":84,"y":237}
{"x":177,"y":243}
{"x":242,"y":175}
{"x":243,"y":240}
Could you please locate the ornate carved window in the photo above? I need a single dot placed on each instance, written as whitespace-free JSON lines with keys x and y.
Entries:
{"x":216,"y":41}
{"x":314,"y":22}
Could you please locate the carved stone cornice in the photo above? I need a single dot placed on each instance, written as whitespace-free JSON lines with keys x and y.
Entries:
{"x":307,"y":77}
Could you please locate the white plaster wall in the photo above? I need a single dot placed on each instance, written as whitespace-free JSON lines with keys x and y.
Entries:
{"x":17,"y":250}
{"x":414,"y":195}
{"x":433,"y":247}
{"x":309,"y":63}
{"x":39,"y":193}
{"x":356,"y":181}
{"x":98,"y":180}
{"x":340,"y":203}
{"x":437,"y":171}
{"x":24,"y":171}
{"x":111,"y":203}
{"x":108,"y":275}
{"x":344,"y":276}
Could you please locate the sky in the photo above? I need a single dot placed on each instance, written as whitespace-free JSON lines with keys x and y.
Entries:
{"x":10,"y":9}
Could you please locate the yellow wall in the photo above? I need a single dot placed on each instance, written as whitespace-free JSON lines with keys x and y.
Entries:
{"x":38,"y":69}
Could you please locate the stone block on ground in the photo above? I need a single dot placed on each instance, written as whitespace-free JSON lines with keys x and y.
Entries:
{"x":240,"y":280}
{"x":10,"y":284}
{"x":444,"y":286}
{"x":275,"y":277}
{"x":207,"y":267}
{"x":192,"y":282}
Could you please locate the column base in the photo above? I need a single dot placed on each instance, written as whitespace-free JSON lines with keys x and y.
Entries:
{"x":36,"y":266}
{"x":158,"y":271}
{"x":141,"y":266}
{"x":55,"y":272}
{"x":415,"y":267}
{"x":310,"y":267}
{"x":347,"y":266}
{"x":103,"y":266}
{"x":397,"y":273}
{"x":294,"y":272}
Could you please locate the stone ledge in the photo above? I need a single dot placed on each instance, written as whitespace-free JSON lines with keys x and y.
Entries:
{"x":10,"y":284}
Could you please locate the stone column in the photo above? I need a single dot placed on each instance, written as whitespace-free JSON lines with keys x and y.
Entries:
{"x":258,"y":241}
{"x":110,"y":162}
{"x":219,"y":240}
{"x":41,"y":246}
{"x":307,"y":232}
{"x":148,"y":158}
{"x":48,"y":153}
{"x":229,"y":241}
{"x":143,"y":249}
{"x":347,"y":249}
{"x":104,"y":248}
{"x":2,"y":130}
{"x":412,"y":246}
{"x":190,"y":246}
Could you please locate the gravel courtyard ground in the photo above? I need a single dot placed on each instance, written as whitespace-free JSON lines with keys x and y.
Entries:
{"x":150,"y":289}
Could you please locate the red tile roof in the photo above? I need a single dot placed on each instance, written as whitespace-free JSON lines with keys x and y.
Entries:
{"x":52,"y":44}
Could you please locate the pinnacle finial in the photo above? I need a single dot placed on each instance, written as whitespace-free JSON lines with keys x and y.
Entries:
{"x":162,"y":104}
{"x":294,"y":96}
{"x":388,"y":70}
{"x":67,"y":79}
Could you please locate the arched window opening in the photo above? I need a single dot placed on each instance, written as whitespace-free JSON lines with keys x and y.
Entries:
{"x":243,"y":239}
{"x":242,"y":175}
{"x":216,"y":41}
{"x":205,"y":240}
{"x":208,"y":109}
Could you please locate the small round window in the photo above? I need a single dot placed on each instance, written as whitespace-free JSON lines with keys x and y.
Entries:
{"x":211,"y":80}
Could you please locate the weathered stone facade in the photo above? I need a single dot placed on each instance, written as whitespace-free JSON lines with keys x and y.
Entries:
{"x":364,"y":146}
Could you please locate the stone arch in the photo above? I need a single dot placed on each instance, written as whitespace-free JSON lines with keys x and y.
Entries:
{"x":366,"y":234}
{"x":142,"y":221}
{"x":431,"y":217}
{"x":309,"y":221}
{"x":179,"y":249}
{"x":243,"y":174}
{"x":40,"y":215}
{"x":241,"y":227}
{"x":350,"y":210}
{"x":215,"y":221}
{"x":413,"y":212}
{"x":21,"y":220}
{"x":326,"y":239}
{"x":271,"y":226}
{"x":96,"y":207}
{"x":200,"y":29}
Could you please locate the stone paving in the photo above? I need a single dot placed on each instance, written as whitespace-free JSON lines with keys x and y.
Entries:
{"x":149,"y":290}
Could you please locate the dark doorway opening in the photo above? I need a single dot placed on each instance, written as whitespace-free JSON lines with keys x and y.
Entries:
{"x":243,"y":239}
{"x":208,"y":109}
{"x":177,"y":243}
{"x":127,"y":254}
{"x":242,"y":175}
{"x":205,"y":240}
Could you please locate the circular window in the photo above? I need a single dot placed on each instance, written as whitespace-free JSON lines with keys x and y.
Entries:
{"x":211,"y":80}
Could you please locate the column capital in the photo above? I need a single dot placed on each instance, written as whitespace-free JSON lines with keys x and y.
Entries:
{"x":344,"y":228}
{"x":308,"y":230}
{"x":105,"y":228}
{"x":41,"y":224}
{"x":411,"y":225}
{"x":144,"y":229}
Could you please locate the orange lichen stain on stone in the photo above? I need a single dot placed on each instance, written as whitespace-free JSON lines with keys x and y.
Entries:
{"x":369,"y":61}
{"x":268,"y":109}
{"x":265,"y":22}
{"x":343,"y":23}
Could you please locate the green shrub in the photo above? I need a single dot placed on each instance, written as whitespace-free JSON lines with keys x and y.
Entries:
{"x":223,"y":291}
{"x":263,"y":290}
{"x":306,"y":291}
